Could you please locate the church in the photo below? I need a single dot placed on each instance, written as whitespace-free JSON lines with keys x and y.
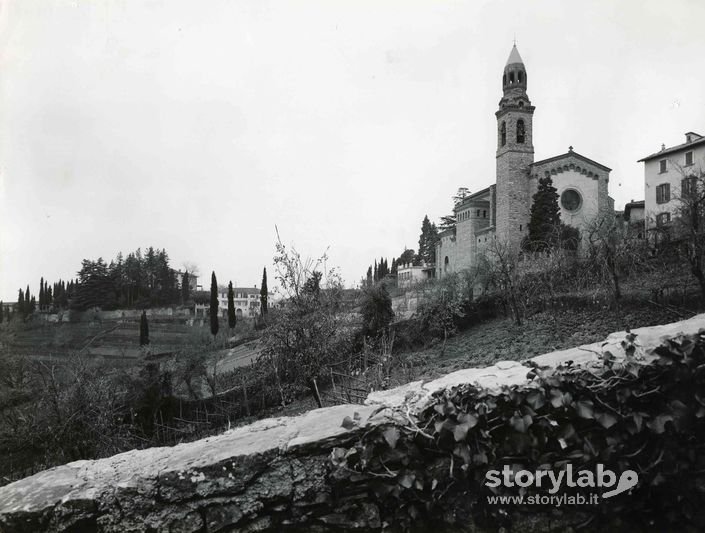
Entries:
{"x":501,"y":211}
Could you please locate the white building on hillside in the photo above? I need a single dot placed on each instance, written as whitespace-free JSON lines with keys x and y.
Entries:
{"x":409,"y":274}
{"x":669,"y":174}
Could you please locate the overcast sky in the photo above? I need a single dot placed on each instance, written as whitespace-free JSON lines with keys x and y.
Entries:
{"x":198,"y":126}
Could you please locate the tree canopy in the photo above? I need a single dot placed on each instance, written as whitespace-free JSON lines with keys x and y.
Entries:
{"x":546,"y":230}
{"x":214,"y":305}
{"x":427,"y":241}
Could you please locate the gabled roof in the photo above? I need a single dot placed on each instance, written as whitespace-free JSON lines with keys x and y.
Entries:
{"x":569,"y":153}
{"x":633,"y":205}
{"x":673,"y":149}
{"x":514,"y":56}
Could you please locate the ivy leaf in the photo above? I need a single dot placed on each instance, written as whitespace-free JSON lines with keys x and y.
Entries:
{"x":469,"y":419}
{"x":480,"y":458}
{"x":658,"y":424}
{"x":462,"y":450}
{"x":607,"y":420}
{"x":556,"y":398}
{"x":407,"y":480}
{"x":585,"y":409}
{"x":391,"y":435}
{"x":461,"y":431}
{"x":536,"y":400}
{"x":521,"y":423}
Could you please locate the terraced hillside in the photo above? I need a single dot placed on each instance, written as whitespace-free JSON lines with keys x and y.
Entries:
{"x":109,"y":339}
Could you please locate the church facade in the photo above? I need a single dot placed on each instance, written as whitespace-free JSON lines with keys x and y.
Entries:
{"x":501,"y":211}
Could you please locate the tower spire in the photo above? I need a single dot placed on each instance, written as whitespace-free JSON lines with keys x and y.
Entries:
{"x":515,"y":151}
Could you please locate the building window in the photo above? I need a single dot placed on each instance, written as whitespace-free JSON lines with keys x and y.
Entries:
{"x":662,"y":166}
{"x":445,"y":264}
{"x":484,"y":213}
{"x":504,"y":133}
{"x":571,"y":200}
{"x":663,"y":219}
{"x":520,"y":131}
{"x":663,"y":193}
{"x":688,"y":186}
{"x":688,"y":159}
{"x":478,"y":213}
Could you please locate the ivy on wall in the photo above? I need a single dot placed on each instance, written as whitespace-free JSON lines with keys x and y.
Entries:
{"x":629,"y":414}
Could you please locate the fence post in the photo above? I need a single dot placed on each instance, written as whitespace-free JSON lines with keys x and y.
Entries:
{"x":244,"y":395}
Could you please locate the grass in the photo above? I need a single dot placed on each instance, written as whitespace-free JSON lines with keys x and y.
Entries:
{"x":501,"y":339}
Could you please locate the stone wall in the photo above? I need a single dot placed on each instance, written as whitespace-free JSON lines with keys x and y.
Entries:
{"x":270,"y":475}
{"x":117,"y":314}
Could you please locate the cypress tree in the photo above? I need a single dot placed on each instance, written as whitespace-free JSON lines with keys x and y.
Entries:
{"x":214,"y":305}
{"x":232,"y":319}
{"x":27,"y":301}
{"x":20,"y":303}
{"x":264,"y":294}
{"x":427,"y":241}
{"x":41,"y":294}
{"x":144,"y":329}
{"x":32,"y":305}
{"x":545,"y":218}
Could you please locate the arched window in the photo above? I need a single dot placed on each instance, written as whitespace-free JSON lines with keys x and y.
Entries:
{"x":520,"y":131}
{"x":445,"y":264}
{"x":503,"y":133}
{"x":519,"y":76}
{"x":511,"y":78}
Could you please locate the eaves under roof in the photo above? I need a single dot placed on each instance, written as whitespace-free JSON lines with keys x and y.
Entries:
{"x":568,"y":154}
{"x":673,"y":149}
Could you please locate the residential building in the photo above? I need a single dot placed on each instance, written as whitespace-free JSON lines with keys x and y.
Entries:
{"x":669,"y":175}
{"x":246,"y":301}
{"x":409,"y":274}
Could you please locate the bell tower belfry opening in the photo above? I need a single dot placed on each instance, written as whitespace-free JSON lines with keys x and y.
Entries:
{"x":515,"y":151}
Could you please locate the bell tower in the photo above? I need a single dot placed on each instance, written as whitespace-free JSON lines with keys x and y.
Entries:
{"x":515,"y":152}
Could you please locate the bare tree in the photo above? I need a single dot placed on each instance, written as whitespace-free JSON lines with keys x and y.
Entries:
{"x":688,"y":225}
{"x":614,"y":250}
{"x":300,"y":343}
{"x":191,"y":268}
{"x":500,"y":265}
